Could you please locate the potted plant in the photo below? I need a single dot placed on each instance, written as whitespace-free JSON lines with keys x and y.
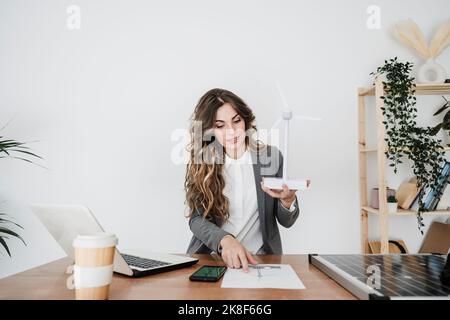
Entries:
{"x":404,"y":138}
{"x":445,"y":123}
{"x":12,"y":149}
{"x":392,"y":204}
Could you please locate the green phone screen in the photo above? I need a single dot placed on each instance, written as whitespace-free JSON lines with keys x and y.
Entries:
{"x":209,"y":272}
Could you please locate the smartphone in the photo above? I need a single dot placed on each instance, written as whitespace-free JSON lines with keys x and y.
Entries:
{"x":208,"y":273}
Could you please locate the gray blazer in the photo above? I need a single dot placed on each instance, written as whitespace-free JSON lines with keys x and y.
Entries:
{"x":206,"y":232}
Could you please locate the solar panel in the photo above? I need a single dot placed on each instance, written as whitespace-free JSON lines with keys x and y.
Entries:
{"x":389,"y":276}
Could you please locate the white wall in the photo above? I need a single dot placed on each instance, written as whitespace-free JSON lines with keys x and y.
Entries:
{"x":103,"y":102}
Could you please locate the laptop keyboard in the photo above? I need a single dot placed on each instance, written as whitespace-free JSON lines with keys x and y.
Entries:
{"x":143,"y":263}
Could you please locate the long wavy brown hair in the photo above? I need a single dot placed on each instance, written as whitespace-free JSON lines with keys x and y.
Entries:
{"x":204,"y":182}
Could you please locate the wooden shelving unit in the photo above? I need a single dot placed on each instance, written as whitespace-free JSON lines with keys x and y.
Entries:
{"x":382,"y":213}
{"x":402,"y":212}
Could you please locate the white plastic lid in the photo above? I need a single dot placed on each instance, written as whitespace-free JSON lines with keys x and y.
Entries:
{"x":95,"y":240}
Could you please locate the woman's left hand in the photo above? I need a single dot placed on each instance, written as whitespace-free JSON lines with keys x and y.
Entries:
{"x":286,"y":195}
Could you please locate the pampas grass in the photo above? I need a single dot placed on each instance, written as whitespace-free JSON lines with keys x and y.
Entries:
{"x":409,"y":33}
{"x":440,"y":40}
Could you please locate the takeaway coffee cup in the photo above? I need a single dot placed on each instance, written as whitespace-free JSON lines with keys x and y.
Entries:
{"x":93,"y":269}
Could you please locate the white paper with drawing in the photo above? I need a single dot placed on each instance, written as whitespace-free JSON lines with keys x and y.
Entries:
{"x":278,"y":276}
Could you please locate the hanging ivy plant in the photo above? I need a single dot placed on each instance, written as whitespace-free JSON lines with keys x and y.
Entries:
{"x":404,"y":138}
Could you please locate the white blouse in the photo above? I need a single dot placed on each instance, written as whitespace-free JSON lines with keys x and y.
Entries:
{"x":243,"y":222}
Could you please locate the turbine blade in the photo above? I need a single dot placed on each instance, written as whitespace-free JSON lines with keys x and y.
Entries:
{"x":277,"y":123}
{"x":280,"y":92}
{"x":308,"y":118}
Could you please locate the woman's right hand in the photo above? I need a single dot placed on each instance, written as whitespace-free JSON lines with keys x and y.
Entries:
{"x":234,"y":253}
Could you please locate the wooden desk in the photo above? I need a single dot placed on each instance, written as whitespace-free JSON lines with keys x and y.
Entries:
{"x":49,"y":282}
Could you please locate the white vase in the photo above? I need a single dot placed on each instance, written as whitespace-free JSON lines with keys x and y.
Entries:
{"x":392,"y":207}
{"x":431,"y":72}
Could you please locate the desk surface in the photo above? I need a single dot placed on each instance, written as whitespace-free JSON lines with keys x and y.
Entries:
{"x":49,"y":282}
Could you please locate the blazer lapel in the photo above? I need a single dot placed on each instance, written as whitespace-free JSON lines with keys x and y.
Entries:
{"x":260,"y":194}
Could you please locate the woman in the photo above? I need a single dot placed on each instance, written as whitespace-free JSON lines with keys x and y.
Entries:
{"x":230,"y":211}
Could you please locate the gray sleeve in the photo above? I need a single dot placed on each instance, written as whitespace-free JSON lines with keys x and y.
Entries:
{"x":285,"y":217}
{"x":206,"y":231}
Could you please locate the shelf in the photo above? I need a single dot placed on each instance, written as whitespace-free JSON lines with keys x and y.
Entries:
{"x":402,"y":212}
{"x":446,"y":149}
{"x":421,"y":89}
{"x":365,"y":152}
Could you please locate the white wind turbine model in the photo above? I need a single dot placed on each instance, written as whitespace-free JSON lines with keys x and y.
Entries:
{"x":277,"y":183}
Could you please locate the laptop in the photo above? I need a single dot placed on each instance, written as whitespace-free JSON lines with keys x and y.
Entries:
{"x":65,"y":222}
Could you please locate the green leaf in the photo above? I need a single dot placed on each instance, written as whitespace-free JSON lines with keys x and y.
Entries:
{"x":3,"y":243}
{"x":8,"y":221}
{"x":12,"y":233}
{"x":436,"y":129}
{"x":29,"y":153}
{"x":445,"y":106}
